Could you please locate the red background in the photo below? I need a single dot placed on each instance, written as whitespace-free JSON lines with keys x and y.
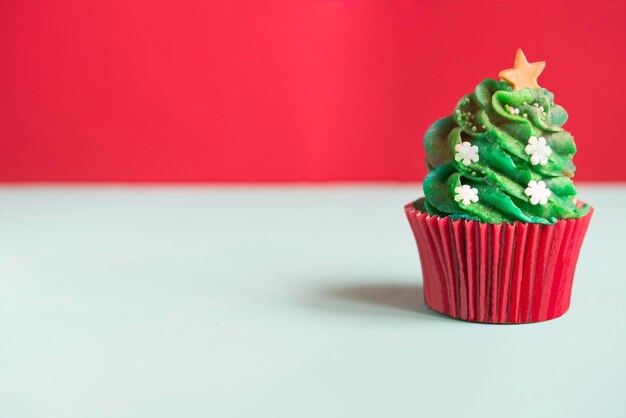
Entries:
{"x":203,"y":91}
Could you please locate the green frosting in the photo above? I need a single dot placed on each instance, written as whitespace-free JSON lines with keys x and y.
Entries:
{"x":500,"y":123}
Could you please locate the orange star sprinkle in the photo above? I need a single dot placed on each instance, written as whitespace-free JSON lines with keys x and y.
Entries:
{"x":524,"y":74}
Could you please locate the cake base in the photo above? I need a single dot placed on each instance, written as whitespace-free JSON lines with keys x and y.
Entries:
{"x":497,"y":273}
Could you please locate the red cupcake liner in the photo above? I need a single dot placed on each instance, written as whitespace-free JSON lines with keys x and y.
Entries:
{"x":506,"y":273}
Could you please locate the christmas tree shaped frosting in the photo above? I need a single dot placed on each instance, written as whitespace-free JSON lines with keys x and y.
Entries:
{"x":502,"y":156}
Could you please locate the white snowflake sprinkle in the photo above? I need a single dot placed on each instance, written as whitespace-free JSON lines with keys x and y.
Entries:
{"x":465,"y":194}
{"x":538,"y":192}
{"x":538,"y":150}
{"x":466,"y":152}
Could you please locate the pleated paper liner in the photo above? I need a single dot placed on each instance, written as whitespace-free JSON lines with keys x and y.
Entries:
{"x":507,"y":273}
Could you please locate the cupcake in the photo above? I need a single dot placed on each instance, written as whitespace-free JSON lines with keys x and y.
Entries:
{"x":499,"y":229}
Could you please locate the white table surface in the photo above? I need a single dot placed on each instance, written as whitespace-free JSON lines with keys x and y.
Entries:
{"x":279,"y":302}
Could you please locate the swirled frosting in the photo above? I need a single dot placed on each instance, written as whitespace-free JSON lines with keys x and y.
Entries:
{"x":502,"y":156}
